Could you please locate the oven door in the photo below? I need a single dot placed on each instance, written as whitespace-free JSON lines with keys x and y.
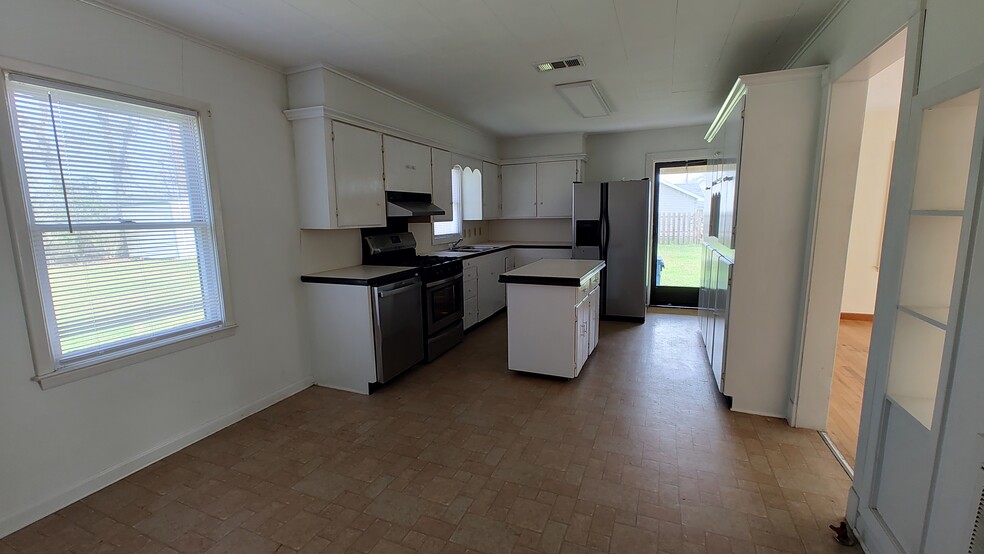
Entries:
{"x":445,"y":303}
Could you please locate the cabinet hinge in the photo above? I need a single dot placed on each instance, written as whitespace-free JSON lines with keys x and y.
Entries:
{"x":333,"y":136}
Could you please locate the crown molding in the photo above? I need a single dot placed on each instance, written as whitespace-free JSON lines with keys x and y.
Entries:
{"x":817,"y":31}
{"x":133,"y":16}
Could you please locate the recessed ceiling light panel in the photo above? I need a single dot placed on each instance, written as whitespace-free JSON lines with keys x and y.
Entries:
{"x":573,"y":61}
{"x":585,"y":98}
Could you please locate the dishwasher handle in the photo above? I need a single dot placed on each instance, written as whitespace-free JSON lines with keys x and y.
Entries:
{"x":402,"y":287}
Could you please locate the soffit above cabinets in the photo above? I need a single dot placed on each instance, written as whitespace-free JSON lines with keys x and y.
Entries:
{"x":661,"y":63}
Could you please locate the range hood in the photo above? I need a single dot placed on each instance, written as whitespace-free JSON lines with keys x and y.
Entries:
{"x":410,"y":204}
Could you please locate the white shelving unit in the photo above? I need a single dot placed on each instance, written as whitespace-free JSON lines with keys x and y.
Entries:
{"x":932,"y":252}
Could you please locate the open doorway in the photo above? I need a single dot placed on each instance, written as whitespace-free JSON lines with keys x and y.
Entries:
{"x":863,"y":258}
{"x":859,"y":147}
{"x":679,"y":206}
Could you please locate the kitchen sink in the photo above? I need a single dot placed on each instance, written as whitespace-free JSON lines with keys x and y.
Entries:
{"x":471,"y":248}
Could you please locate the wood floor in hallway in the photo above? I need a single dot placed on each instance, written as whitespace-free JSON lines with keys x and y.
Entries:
{"x":847,"y":389}
{"x":638,"y":454}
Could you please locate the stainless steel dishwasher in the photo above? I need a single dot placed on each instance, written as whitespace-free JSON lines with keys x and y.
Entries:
{"x":399,"y":327}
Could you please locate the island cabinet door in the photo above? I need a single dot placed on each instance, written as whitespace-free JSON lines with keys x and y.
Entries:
{"x":582,"y":334}
{"x":595,"y":316}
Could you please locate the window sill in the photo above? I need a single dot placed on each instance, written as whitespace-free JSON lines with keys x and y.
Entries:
{"x":127,"y":358}
{"x":445,"y":239}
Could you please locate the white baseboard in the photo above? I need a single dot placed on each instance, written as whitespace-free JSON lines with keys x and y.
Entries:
{"x":28,"y":516}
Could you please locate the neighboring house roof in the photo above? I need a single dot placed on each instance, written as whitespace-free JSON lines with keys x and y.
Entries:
{"x":680,"y":188}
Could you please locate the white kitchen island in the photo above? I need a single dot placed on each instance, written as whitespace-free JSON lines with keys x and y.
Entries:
{"x":554,"y":306}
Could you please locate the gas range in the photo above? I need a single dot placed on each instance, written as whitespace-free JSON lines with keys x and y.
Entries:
{"x":443,"y":287}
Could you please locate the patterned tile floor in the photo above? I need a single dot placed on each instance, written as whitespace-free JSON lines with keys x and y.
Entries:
{"x":639,"y":454}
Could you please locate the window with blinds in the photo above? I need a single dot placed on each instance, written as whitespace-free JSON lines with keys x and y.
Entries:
{"x":120,"y":217}
{"x":452,"y":229}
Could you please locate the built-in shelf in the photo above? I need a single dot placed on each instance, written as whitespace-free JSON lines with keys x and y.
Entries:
{"x":917,"y":354}
{"x":936,"y":316}
{"x":919,"y":408}
{"x":945,"y":148}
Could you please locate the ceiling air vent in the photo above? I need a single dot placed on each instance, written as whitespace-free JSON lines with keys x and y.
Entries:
{"x":576,"y":61}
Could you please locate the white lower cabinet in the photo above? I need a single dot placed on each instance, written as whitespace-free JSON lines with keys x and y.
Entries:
{"x":484,"y":294}
{"x":470,"y":276}
{"x":553,"y":329}
{"x":491,"y":293}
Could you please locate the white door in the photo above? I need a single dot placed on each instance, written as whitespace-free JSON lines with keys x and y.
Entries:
{"x":441,"y":182}
{"x":555,"y":188}
{"x":491,"y":191}
{"x":518,"y":191}
{"x":359,"y":195}
{"x":407,"y":165}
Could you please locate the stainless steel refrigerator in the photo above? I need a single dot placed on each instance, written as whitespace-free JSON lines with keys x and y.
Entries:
{"x":613,"y":222}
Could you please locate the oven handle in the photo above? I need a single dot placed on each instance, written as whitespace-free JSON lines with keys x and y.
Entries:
{"x":444,"y":281}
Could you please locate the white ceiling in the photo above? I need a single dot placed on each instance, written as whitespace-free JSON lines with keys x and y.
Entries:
{"x":660,"y":63}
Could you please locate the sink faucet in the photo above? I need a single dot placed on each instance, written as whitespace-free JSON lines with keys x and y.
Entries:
{"x":455,"y":244}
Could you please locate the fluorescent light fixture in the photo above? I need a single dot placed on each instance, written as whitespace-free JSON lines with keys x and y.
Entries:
{"x":585,"y":98}
{"x":544,"y":67}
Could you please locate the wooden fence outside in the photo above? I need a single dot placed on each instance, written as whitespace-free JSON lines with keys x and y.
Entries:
{"x":681,"y":228}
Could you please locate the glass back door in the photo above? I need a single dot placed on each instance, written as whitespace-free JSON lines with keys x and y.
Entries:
{"x":682,"y":190}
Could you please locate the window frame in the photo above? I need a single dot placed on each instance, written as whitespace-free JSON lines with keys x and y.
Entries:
{"x":46,"y":371}
{"x":451,"y":237}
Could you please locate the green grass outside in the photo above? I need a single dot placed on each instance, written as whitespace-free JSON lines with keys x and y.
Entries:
{"x":108,"y":290}
{"x":683,"y":263}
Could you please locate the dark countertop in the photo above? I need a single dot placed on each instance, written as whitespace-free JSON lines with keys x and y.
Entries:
{"x":562,"y":273}
{"x":497,"y":247}
{"x":362,"y":275}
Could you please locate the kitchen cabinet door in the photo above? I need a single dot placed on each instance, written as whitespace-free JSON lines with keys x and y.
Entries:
{"x":407,"y":165}
{"x":491,"y":293}
{"x":441,"y":183}
{"x":491,"y":191}
{"x":595,"y":299}
{"x":582,"y":317}
{"x":488,"y":287}
{"x":471,"y":194}
{"x":519,"y":191}
{"x":555,"y":188}
{"x":471,"y":312}
{"x":359,"y":193}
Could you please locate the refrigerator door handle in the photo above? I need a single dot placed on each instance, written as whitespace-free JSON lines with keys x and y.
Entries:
{"x":603,"y":216}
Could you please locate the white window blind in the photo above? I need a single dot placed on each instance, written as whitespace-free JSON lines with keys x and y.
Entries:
{"x":120,"y":218}
{"x":453,"y":227}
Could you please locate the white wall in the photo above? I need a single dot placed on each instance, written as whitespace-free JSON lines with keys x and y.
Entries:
{"x":868,"y":217}
{"x":60,"y":444}
{"x":537,"y":230}
{"x":617,"y":156}
{"x":542,"y":145}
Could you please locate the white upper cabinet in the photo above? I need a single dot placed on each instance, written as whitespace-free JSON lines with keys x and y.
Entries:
{"x":481,"y":195}
{"x":542,"y":189}
{"x":519,"y":191}
{"x":358,"y":159}
{"x":407,"y":165}
{"x":555,"y":188}
{"x":491,"y":192}
{"x":441,"y":183}
{"x":339,"y":175}
{"x":471,"y":194}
